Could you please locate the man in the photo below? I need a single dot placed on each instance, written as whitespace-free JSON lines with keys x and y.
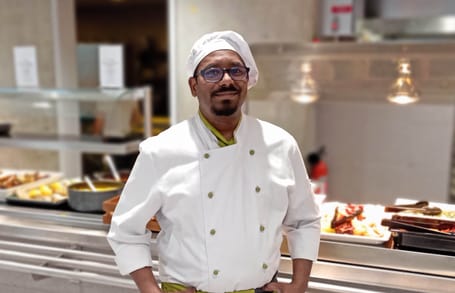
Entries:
{"x":222,"y":185}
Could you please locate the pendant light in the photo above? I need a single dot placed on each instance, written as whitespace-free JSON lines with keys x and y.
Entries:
{"x":304,"y":90}
{"x":403,"y":90}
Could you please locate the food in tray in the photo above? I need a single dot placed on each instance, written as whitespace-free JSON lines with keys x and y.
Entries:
{"x":17,"y":179}
{"x":52,"y":192}
{"x":352,"y":219}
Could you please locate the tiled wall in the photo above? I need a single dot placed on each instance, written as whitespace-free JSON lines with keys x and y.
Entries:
{"x":376,"y":151}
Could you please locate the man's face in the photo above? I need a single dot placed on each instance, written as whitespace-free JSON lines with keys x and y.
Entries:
{"x":224,"y":97}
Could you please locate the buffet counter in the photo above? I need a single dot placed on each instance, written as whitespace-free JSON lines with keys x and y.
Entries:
{"x":44,"y":250}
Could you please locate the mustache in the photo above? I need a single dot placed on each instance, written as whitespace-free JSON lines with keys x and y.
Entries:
{"x":230,"y":88}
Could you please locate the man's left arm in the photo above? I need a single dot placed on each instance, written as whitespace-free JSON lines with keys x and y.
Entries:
{"x":302,"y":227}
{"x":301,"y":269}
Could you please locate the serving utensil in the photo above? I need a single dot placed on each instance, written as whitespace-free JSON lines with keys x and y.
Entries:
{"x":110,"y":163}
{"x":394,"y":224}
{"x":89,"y":183}
{"x":425,"y":210}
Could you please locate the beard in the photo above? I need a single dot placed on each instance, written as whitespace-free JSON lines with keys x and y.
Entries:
{"x":227,"y":108}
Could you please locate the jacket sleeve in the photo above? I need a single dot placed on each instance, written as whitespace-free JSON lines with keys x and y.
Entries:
{"x":302,"y":221}
{"x":139,"y":202}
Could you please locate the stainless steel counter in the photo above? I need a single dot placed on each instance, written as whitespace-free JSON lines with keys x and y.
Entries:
{"x":60,"y":245}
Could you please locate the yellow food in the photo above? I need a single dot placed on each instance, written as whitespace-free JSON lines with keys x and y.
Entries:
{"x":51,"y":192}
{"x":34,"y":193}
{"x":59,"y":188}
{"x":45,"y":190}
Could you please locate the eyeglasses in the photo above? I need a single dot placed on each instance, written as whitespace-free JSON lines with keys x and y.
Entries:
{"x":215,"y":74}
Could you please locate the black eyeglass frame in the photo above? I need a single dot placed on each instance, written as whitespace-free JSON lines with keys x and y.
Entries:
{"x":225,"y":70}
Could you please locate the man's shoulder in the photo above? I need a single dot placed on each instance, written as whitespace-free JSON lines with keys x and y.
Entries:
{"x":169,"y":138}
{"x":268,"y":130}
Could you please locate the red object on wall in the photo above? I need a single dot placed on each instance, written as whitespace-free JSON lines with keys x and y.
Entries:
{"x":341,"y":9}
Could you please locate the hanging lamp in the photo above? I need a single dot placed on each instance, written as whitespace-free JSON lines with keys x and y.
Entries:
{"x":304,"y":90}
{"x":403,"y":90}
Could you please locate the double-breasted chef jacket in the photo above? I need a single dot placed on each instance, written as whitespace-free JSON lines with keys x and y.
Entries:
{"x":222,"y":210}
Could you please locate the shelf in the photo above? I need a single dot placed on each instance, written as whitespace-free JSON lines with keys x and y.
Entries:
{"x":99,"y":95}
{"x":62,"y":143}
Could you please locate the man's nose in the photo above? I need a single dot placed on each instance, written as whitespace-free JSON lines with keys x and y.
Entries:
{"x":226,"y":78}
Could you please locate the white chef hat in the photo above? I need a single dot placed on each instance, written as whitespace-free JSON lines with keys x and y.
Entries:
{"x":223,"y":40}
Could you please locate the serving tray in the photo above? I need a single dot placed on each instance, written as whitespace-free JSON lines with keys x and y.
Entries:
{"x":46,"y":177}
{"x":13,"y":199}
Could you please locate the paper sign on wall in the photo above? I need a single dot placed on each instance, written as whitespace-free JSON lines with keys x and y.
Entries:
{"x":26,"y":66}
{"x":111,"y":66}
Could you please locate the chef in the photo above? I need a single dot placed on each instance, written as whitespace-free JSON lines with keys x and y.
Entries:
{"x":224,"y":187}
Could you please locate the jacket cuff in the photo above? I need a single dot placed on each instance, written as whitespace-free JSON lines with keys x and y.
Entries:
{"x":132,"y":258}
{"x":310,"y":248}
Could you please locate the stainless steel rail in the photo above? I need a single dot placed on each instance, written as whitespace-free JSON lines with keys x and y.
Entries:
{"x":374,"y":279}
{"x":79,"y":266}
{"x":75,"y":275}
{"x":391,"y":259}
{"x":50,"y":250}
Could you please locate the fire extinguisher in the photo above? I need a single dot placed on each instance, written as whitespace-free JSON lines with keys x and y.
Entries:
{"x":318,"y":171}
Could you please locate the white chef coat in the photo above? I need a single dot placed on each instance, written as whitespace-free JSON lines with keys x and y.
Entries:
{"x":222,"y":211}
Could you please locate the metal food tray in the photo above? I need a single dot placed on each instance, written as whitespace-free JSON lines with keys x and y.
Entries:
{"x":49,"y":176}
{"x":424,"y":242}
{"x":13,"y":199}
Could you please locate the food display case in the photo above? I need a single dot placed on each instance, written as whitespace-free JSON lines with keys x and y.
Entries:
{"x":55,"y":120}
{"x":66,"y":249}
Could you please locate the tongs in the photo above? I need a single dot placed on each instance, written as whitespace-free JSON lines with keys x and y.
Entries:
{"x":394,"y":224}
{"x":431,"y":223}
{"x":420,"y":206}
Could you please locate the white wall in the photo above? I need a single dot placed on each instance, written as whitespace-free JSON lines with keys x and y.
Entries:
{"x":377,"y":152}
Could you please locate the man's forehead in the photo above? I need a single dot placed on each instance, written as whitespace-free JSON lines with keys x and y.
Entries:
{"x":214,"y":56}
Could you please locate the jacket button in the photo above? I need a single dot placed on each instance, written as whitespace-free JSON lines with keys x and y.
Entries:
{"x":212,"y":232}
{"x":210,"y":194}
{"x":216,"y":273}
{"x":261,"y":228}
{"x":264,"y":266}
{"x":257,"y":189}
{"x":251,"y":152}
{"x":206,"y":155}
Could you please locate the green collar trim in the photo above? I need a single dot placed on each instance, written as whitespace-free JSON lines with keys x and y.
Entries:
{"x":222,"y":141}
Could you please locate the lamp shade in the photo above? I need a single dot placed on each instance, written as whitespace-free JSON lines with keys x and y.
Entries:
{"x":304,"y":90}
{"x":403,"y":90}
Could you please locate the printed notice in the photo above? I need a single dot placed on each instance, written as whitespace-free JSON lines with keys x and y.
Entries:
{"x":111,"y":66}
{"x":26,"y":66}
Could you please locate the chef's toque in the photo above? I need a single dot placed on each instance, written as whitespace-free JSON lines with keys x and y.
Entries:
{"x":223,"y":40}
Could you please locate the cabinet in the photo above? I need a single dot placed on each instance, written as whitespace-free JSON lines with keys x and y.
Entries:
{"x":52,"y":119}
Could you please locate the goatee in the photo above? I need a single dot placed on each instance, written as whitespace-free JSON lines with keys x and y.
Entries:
{"x":227,"y":109}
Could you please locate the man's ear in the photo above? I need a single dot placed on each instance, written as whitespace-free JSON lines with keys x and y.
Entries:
{"x":192,"y":82}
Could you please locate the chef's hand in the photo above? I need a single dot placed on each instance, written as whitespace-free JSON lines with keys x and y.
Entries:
{"x":284,"y":288}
